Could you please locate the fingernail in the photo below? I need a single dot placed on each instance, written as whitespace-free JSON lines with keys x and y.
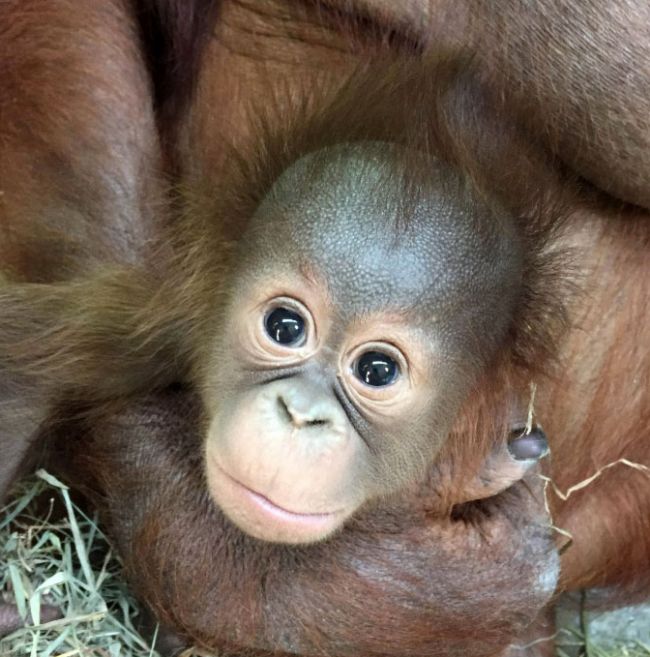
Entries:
{"x":527,"y":447}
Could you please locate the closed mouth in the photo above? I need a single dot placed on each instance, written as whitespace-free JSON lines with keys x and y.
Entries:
{"x":279,"y":512}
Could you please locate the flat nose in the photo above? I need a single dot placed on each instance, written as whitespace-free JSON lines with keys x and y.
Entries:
{"x":305,"y":405}
{"x":302,"y":415}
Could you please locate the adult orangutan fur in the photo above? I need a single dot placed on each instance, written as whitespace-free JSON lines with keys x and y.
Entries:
{"x":91,"y":121}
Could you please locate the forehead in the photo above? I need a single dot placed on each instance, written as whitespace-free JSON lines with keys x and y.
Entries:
{"x":367,"y":258}
{"x":379,"y":244}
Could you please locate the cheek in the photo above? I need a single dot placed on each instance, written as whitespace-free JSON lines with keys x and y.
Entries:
{"x":278,"y":482}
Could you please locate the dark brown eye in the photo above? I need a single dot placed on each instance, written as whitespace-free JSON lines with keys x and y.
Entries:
{"x":376,"y":369}
{"x":285,"y":326}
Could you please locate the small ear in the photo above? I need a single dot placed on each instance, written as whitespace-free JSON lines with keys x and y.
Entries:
{"x":508,"y":463}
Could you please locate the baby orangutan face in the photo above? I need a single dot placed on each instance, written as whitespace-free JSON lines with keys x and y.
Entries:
{"x":323,"y":406}
{"x":351,"y":338}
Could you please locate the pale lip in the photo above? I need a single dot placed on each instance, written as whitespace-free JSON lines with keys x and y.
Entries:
{"x":268,"y":508}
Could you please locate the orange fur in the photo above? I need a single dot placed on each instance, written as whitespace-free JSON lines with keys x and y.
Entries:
{"x":133,"y":149}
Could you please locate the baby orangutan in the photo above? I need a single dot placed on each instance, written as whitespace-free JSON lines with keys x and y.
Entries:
{"x":361,"y":308}
{"x":276,"y":279}
{"x":362,"y":303}
{"x":332,"y":341}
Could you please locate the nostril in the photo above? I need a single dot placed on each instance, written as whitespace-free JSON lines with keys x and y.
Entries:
{"x":298,"y":418}
{"x":284,"y":409}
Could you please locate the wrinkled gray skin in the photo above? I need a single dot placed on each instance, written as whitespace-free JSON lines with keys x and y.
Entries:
{"x":429,"y":252}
